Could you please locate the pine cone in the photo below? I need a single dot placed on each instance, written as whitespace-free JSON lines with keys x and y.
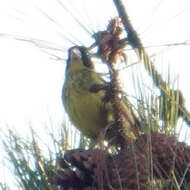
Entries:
{"x":154,"y":155}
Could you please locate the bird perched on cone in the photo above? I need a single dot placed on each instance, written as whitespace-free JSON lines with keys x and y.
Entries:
{"x":86,"y":109}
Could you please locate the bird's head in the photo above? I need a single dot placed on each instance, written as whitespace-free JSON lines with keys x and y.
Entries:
{"x":78,"y":57}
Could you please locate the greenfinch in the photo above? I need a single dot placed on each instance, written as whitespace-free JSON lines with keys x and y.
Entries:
{"x":86,"y":109}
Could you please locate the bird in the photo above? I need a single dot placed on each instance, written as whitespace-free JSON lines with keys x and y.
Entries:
{"x":86,"y":109}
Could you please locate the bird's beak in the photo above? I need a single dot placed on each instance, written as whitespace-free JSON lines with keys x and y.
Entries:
{"x":75,"y":53}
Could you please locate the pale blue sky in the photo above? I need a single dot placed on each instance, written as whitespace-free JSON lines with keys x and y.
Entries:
{"x":31,"y":80}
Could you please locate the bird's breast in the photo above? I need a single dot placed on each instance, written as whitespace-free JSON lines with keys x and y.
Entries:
{"x":85,"y":109}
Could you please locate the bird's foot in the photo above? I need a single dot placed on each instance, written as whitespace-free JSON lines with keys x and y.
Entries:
{"x":97,"y":87}
{"x":108,"y":87}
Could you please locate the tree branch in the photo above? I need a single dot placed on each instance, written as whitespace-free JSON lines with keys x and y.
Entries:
{"x":136,"y":43}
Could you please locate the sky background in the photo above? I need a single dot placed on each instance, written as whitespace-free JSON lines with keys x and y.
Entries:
{"x":31,"y":78}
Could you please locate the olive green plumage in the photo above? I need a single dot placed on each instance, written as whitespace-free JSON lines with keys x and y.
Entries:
{"x":86,"y":109}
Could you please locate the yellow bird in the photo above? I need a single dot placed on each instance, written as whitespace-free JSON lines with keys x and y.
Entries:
{"x":86,"y":109}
